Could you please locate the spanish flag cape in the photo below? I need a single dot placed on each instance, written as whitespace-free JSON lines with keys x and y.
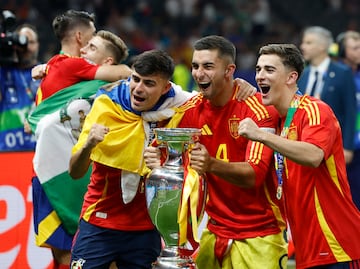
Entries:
{"x":123,"y":146}
{"x":54,"y":141}
{"x":129,"y":134}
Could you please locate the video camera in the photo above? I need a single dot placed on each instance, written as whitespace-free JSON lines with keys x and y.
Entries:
{"x":10,"y":41}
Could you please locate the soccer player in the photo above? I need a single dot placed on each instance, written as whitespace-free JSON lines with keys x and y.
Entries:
{"x":323,"y":219}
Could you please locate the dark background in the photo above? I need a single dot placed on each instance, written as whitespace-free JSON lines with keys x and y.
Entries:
{"x":174,"y":24}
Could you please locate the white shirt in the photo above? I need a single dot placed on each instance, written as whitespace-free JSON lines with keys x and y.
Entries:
{"x":322,"y":69}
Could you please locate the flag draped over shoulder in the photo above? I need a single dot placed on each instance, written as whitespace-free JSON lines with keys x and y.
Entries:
{"x":129,"y":130}
{"x":123,"y":146}
{"x":56,"y":124}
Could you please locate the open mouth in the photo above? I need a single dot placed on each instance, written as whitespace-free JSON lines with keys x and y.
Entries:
{"x":265,"y":89}
{"x":203,"y":85}
{"x":139,"y":99}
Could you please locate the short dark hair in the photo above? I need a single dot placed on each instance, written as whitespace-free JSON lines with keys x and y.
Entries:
{"x":154,"y":62}
{"x":67,"y":21}
{"x":115,"y":45}
{"x":289,"y":54}
{"x":224,"y":47}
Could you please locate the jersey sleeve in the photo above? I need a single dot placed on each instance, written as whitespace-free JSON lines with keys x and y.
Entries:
{"x":81,"y":68}
{"x":319,"y":126}
{"x":259,"y":156}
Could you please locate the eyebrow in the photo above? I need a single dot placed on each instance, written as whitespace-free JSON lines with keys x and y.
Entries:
{"x":265,"y":66}
{"x":205,"y":64}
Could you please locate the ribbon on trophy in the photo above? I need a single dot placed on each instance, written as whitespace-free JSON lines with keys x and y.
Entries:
{"x":190,"y":197}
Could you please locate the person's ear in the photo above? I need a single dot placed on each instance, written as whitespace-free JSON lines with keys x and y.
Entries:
{"x":230,"y":69}
{"x":167,"y":87}
{"x":108,"y":61}
{"x":293,"y":76}
{"x":78,"y":37}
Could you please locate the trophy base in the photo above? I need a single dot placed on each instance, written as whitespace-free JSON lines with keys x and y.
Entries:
{"x":173,"y":263}
{"x":169,"y":259}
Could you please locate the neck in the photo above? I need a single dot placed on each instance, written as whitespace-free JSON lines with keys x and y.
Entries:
{"x":285,"y":102}
{"x":70,"y":50}
{"x":223,"y":96}
{"x":318,"y":60}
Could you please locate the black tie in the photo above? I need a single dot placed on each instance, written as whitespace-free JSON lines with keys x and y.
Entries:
{"x":313,"y":88}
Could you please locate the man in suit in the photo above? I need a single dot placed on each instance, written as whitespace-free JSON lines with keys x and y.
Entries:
{"x":349,"y":54}
{"x":330,"y":81}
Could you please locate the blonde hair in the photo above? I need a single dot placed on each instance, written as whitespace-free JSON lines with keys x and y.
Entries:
{"x":115,"y":45}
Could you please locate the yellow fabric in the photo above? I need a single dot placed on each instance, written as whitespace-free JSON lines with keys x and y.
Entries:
{"x":331,"y":166}
{"x":337,"y":250}
{"x":190,"y":195}
{"x":123,"y":146}
{"x":175,"y":120}
{"x":46,"y":228}
{"x":38,"y":96}
{"x":276,"y":210}
{"x":253,"y":253}
{"x":190,"y":188}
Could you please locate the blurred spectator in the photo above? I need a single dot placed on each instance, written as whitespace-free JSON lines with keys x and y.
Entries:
{"x":330,"y":81}
{"x":17,"y":89}
{"x":349,"y":53}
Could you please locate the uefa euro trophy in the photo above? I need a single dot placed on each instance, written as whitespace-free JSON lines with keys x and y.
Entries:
{"x":164,"y":192}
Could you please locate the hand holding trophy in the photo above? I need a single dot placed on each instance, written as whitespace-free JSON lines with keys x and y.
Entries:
{"x":176,"y":197}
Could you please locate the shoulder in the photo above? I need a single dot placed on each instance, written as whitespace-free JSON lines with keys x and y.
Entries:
{"x":79,"y":61}
{"x":254,"y":103}
{"x":193,"y":102}
{"x":340,"y":67}
{"x":314,"y":109}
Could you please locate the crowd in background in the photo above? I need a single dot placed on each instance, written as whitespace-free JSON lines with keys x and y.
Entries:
{"x":173,"y":25}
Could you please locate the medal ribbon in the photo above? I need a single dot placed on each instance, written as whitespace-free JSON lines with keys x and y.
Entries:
{"x":279,"y":158}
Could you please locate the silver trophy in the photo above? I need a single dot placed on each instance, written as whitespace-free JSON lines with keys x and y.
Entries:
{"x":164,"y":190}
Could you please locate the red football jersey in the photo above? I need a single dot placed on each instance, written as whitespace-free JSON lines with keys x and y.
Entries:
{"x":63,"y":71}
{"x":324,"y":222}
{"x":236,"y":212}
{"x":103,"y":202}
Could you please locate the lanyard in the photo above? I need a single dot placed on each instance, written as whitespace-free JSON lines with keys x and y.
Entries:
{"x":279,"y":158}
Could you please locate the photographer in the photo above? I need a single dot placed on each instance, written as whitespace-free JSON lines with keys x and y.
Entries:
{"x":18,"y":55}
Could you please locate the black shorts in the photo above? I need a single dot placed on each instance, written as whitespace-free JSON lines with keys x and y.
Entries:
{"x":97,"y":247}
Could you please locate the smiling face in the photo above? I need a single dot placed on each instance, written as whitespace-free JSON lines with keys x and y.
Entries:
{"x":145,"y":91}
{"x":274,"y":81}
{"x":210,"y":73}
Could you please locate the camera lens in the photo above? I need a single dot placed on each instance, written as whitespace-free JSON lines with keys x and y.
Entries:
{"x":22,"y":40}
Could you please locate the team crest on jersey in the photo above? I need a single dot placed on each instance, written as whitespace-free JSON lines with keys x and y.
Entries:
{"x":233,"y":127}
{"x":292,"y":133}
{"x":77,"y":264}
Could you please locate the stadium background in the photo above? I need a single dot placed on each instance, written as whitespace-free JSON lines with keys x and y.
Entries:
{"x":168,"y":24}
{"x":174,"y":24}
